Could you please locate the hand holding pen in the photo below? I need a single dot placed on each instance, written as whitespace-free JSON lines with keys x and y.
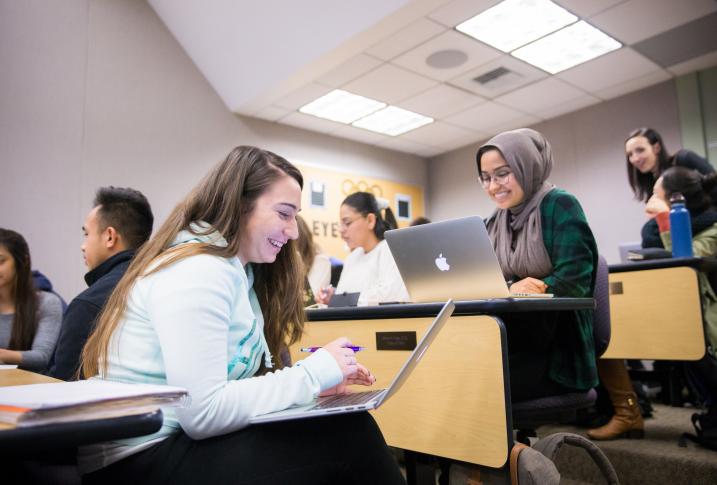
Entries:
{"x":325,"y":295}
{"x":342,"y":350}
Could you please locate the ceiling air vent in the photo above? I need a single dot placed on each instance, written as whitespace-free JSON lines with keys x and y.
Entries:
{"x":498,"y":78}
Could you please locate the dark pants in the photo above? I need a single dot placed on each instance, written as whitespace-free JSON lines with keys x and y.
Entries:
{"x":345,"y":449}
{"x":531,"y":337}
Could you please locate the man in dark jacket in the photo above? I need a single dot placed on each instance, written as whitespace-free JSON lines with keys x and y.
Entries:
{"x":119,"y":223}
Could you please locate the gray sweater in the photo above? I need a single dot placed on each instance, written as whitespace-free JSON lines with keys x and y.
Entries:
{"x":48,"y":329}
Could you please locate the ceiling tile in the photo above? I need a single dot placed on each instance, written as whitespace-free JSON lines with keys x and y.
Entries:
{"x":485,"y":117}
{"x":440,"y":101}
{"x":636,"y":20}
{"x":389,"y":84}
{"x":634,"y":85}
{"x":302,"y":96}
{"x":308,"y":122}
{"x":476,"y":53}
{"x":522,"y":121}
{"x":520,"y":74}
{"x":682,"y":43}
{"x":457,"y":11}
{"x":696,"y":64}
{"x":574,"y":104}
{"x":402,"y":145}
{"x":359,"y":134}
{"x":587,"y":8}
{"x":349,"y":70}
{"x":416,"y":33}
{"x":439,"y":134}
{"x":611,"y":69}
{"x":541,"y":95}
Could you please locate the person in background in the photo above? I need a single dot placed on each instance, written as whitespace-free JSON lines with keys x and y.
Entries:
{"x":119,"y":223}
{"x":205,"y":305}
{"x":419,"y":221}
{"x":370,"y":268}
{"x":647,"y":158}
{"x":700,"y":192}
{"x":544,"y":245}
{"x":317,"y":264}
{"x":29,"y":319}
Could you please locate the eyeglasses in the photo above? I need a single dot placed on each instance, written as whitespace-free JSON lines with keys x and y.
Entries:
{"x":500,"y":177}
{"x":346,"y":224}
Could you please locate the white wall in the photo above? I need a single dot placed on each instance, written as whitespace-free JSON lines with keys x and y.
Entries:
{"x":588,"y":146}
{"x":97,"y":92}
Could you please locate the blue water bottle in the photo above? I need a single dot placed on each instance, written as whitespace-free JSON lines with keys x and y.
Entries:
{"x":680,"y":228}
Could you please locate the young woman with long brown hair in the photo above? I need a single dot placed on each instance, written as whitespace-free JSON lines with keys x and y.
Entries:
{"x":29,"y":320}
{"x":218,"y":287}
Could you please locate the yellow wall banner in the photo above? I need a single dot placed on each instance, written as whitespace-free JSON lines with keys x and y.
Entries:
{"x":324,"y":190}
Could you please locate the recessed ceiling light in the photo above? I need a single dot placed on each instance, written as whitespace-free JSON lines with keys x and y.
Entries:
{"x":341,"y":106}
{"x":567,"y":48}
{"x":513,"y":23}
{"x":393,"y":121}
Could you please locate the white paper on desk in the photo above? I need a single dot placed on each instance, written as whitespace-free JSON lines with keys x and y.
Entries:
{"x":8,"y":366}
{"x":62,"y":394}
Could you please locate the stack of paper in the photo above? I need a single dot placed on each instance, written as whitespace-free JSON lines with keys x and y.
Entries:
{"x":37,"y":404}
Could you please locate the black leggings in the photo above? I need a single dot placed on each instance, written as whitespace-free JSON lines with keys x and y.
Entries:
{"x":345,"y":449}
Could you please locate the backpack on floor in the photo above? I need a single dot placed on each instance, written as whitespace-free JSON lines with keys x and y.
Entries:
{"x":536,"y":465}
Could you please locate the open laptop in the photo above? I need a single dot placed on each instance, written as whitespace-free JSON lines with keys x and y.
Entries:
{"x":450,"y":259}
{"x":362,"y":401}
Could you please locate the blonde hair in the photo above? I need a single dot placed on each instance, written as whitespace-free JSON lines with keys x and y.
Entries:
{"x":225,"y":196}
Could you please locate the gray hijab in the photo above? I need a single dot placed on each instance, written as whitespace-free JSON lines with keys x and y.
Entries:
{"x":517,"y":232}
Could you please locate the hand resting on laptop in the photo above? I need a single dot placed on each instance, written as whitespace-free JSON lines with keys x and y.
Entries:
{"x":353,"y":372}
{"x":528,"y":285}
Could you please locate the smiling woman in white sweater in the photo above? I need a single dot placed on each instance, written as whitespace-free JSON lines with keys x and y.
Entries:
{"x":205,"y":305}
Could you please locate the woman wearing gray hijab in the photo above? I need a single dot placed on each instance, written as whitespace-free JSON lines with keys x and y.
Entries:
{"x":544,"y":245}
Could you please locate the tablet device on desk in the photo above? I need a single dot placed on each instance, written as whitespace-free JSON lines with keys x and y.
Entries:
{"x":449,"y":259}
{"x":344,"y":299}
{"x":363,"y":401}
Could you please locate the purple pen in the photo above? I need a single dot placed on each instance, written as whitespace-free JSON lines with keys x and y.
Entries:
{"x":355,"y":348}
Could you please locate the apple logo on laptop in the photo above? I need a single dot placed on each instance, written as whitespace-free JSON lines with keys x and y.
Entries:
{"x":441,"y":263}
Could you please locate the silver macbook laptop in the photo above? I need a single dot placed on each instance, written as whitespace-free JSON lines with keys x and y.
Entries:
{"x":362,"y":401}
{"x":449,"y":259}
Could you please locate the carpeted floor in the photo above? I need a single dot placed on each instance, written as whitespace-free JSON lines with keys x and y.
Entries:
{"x":656,"y":459}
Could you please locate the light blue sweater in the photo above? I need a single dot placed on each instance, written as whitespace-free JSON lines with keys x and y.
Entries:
{"x":197,"y":324}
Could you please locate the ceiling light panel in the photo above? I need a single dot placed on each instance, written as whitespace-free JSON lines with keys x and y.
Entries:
{"x":393,"y":121}
{"x":567,"y":48}
{"x":341,"y":106}
{"x":514,"y":23}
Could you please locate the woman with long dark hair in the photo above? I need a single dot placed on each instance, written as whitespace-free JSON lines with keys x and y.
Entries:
{"x":206,"y":304}
{"x":29,"y":320}
{"x":370,"y":268}
{"x":647,"y":158}
{"x":700,"y":193}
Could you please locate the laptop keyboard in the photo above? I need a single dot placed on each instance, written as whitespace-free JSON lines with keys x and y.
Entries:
{"x":347,"y":399}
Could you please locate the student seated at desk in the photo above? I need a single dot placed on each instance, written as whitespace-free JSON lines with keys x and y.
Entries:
{"x":699,"y":192}
{"x":205,"y":305}
{"x":370,"y":268}
{"x":647,"y":158}
{"x":120,"y":221}
{"x":544,"y":245}
{"x":29,"y":319}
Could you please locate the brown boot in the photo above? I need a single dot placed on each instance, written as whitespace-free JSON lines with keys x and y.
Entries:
{"x":627,"y":421}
